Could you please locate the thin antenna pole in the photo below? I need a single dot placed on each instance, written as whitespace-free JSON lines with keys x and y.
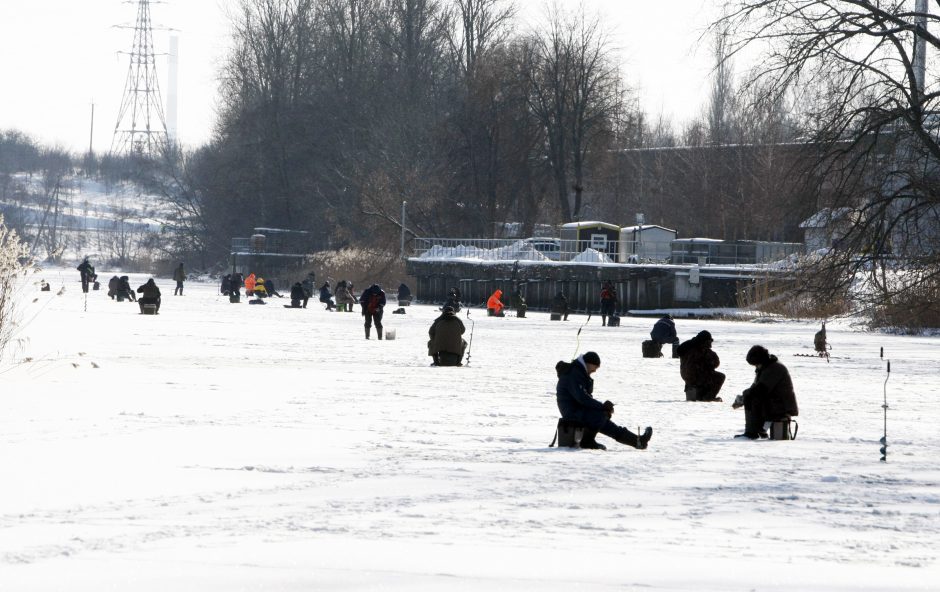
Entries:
{"x":91,"y":134}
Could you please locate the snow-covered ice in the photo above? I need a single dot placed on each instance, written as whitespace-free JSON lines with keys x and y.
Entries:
{"x":231,"y":447}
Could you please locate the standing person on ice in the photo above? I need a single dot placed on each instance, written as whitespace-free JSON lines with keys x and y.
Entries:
{"x":608,"y":302}
{"x":560,"y":305}
{"x":447,"y":344}
{"x":697,"y":364}
{"x":87,"y":271}
{"x":179,"y":275}
{"x":769,"y":398}
{"x":574,"y":394}
{"x":372,"y":303}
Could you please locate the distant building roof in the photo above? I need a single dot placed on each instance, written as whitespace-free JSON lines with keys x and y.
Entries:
{"x":825,"y":217}
{"x":589,"y":224}
{"x":645,"y":227}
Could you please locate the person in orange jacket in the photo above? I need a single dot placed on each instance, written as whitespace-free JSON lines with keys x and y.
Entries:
{"x":493,"y":306}
{"x":250,"y":285}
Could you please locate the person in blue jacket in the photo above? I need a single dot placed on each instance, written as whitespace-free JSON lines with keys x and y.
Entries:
{"x":664,"y":331}
{"x":574,"y":394}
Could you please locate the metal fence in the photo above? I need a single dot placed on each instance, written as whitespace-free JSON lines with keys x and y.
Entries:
{"x":678,"y":252}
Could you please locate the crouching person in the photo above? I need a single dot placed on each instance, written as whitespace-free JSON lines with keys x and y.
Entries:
{"x":697,"y":366}
{"x":769,"y":398}
{"x":576,"y":403}
{"x":298,"y":296}
{"x":447,"y":344}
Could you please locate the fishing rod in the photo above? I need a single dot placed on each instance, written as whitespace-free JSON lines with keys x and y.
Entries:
{"x":470,"y":345}
{"x":578,"y":336}
{"x":884,"y":438}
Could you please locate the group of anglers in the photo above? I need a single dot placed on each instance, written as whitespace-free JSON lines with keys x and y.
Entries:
{"x":769,"y":398}
{"x":119,"y":287}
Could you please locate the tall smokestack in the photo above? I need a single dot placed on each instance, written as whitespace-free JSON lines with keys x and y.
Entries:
{"x":171,"y":90}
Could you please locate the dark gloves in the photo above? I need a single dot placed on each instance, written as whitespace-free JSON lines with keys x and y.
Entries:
{"x":608,"y":408}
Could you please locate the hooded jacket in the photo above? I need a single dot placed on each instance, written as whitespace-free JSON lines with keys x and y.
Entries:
{"x":446,"y":334}
{"x":494,"y":301}
{"x":697,"y":361}
{"x":574,"y":394}
{"x":150,"y":290}
{"x":372,"y":300}
{"x":664,"y":331}
{"x":772,"y":390}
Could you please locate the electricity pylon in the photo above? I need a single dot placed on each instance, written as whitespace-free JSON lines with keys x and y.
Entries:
{"x":141,"y":125}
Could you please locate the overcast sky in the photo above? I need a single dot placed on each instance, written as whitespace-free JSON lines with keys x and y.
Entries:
{"x":57,"y":57}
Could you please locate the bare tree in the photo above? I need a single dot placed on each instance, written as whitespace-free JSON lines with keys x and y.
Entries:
{"x":575,"y":93}
{"x":870,"y":118}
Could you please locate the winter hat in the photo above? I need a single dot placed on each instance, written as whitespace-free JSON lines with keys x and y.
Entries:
{"x":758,"y":356}
{"x":704,"y":336}
{"x":591,"y":358}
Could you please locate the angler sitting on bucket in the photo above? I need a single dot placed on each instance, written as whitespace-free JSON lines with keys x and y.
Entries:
{"x":574,"y":394}
{"x":447,"y":344}
{"x":770,"y":398}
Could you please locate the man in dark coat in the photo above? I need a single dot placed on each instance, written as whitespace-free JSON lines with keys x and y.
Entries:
{"x":124,"y":289}
{"x":404,"y":295}
{"x":151,"y":295}
{"x":179,"y":276}
{"x":574,"y":394}
{"x":87,"y":271}
{"x":326,"y":297}
{"x":113,"y":284}
{"x":664,"y":331}
{"x":697,"y":364}
{"x":769,"y":398}
{"x":372,"y":303}
{"x":447,"y":344}
{"x":235,"y":284}
{"x":560,"y":305}
{"x":298,"y":296}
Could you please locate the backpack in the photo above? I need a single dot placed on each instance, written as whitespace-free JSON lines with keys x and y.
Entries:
{"x":374,"y":303}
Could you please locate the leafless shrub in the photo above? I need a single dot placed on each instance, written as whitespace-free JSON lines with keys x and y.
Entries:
{"x":363,"y":267}
{"x":14,"y":265}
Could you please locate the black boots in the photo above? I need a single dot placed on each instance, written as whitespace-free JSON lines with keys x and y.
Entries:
{"x":378,"y":331}
{"x":639,"y":442}
{"x":368,"y":330}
